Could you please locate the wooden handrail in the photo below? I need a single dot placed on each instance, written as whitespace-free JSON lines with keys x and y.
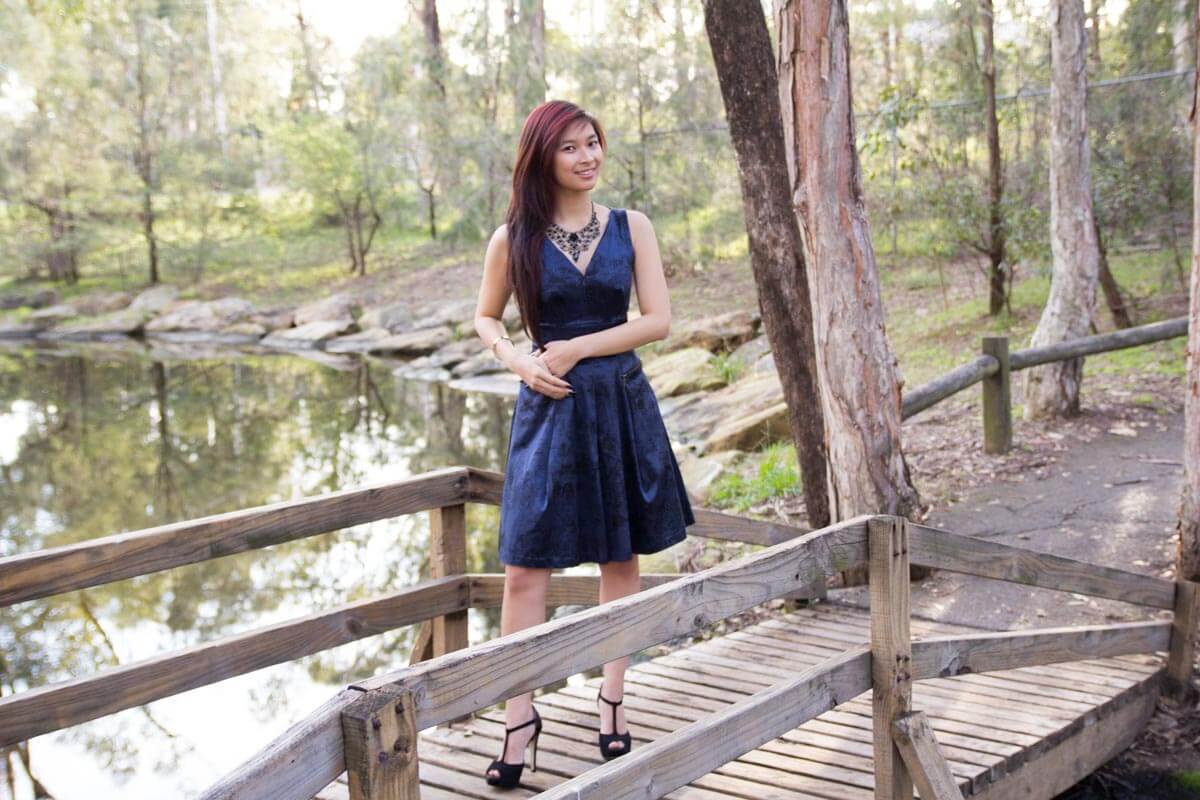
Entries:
{"x":127,"y":555}
{"x":939,"y":549}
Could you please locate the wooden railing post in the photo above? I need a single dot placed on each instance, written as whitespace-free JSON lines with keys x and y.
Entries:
{"x":448,"y":556}
{"x":997,"y":399}
{"x":891,"y":651}
{"x":1183,"y":638}
{"x":379,"y":733}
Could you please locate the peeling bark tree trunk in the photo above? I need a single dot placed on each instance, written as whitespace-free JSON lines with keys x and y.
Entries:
{"x":997,"y":278}
{"x":858,"y":374}
{"x":741,"y":46}
{"x":1053,"y":389}
{"x":1188,"y":566}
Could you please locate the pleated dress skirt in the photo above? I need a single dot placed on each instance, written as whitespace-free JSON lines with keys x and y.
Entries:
{"x":590,"y":477}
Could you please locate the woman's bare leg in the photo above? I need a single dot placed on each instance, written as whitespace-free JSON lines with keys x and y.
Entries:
{"x":617,"y":579}
{"x":523,"y":606}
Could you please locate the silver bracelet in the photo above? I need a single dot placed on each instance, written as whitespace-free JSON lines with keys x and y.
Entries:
{"x":496,"y":341}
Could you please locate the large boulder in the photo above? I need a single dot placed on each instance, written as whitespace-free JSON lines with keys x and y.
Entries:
{"x":39,"y":298}
{"x":414,"y":343}
{"x":361,"y":342}
{"x":336,"y":308}
{"x":126,"y":322}
{"x":273,"y":319}
{"x":154,"y":300}
{"x":718,"y":334}
{"x":740,"y":416}
{"x":50,"y":316}
{"x":451,"y":312}
{"x":199,"y":315}
{"x":101,"y":303}
{"x":395,"y":318}
{"x":310,"y":336}
{"x":691,"y":369}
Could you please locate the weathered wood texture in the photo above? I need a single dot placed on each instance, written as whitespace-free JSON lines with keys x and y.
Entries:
{"x":1183,"y":638}
{"x":953,"y":382}
{"x":60,"y":705}
{"x":706,"y":744}
{"x":1100,"y":343}
{"x":1026,"y":729}
{"x":891,"y":652}
{"x":297,"y":764}
{"x":112,"y":558}
{"x":448,"y":686}
{"x":932,"y":547}
{"x":381,"y":749}
{"x":997,"y":398}
{"x":924,"y":758}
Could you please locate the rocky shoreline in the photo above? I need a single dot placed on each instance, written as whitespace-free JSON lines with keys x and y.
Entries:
{"x":715,"y":378}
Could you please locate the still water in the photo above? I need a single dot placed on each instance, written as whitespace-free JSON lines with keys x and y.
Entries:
{"x":96,"y":440}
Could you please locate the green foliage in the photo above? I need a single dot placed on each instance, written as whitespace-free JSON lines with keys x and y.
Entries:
{"x":776,"y":474}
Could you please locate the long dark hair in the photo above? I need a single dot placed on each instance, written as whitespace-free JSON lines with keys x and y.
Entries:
{"x":532,"y":202}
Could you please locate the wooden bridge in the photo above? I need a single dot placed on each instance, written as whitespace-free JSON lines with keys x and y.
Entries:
{"x":823,"y":702}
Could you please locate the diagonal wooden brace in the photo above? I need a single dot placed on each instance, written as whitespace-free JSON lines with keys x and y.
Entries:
{"x":924,"y":758}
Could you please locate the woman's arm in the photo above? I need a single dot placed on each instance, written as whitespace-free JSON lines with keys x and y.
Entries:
{"x":653,"y":298}
{"x":489,"y":312}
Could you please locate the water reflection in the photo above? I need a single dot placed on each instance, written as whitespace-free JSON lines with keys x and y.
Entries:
{"x":95,"y":441}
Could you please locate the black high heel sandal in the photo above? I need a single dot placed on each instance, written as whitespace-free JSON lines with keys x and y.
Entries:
{"x":510,"y":774}
{"x":606,"y":739}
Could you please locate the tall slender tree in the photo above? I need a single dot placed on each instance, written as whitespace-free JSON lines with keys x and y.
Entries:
{"x":1188,"y":566}
{"x":1053,"y":389}
{"x":858,"y":374}
{"x":741,"y":45}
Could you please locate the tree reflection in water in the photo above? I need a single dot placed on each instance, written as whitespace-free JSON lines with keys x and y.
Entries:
{"x":99,"y":440}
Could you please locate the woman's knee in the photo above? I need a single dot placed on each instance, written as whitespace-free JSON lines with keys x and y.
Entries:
{"x":526,"y":580}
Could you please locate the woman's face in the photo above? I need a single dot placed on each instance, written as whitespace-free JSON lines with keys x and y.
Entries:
{"x":578,"y":158}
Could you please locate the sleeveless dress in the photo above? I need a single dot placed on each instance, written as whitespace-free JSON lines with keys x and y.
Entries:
{"x":590,"y":477}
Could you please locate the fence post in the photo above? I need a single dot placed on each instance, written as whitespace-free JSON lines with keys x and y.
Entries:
{"x":379,"y":733}
{"x":997,"y":399}
{"x":1183,"y":638}
{"x":448,"y":556}
{"x":891,"y":651}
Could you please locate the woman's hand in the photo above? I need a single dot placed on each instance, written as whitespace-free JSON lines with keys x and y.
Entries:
{"x":534,"y":373}
{"x":560,"y":356}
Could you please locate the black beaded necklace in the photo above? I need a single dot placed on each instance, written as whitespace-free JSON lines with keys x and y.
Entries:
{"x":575,"y":243}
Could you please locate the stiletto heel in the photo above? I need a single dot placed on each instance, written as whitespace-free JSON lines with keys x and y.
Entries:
{"x":510,"y":774}
{"x":607,"y":739}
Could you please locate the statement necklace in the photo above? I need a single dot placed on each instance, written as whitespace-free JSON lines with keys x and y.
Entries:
{"x":575,"y":243}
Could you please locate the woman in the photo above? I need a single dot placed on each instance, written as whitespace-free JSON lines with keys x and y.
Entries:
{"x":590,"y":475}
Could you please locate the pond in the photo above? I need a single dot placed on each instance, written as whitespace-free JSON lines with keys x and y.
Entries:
{"x":97,"y":440}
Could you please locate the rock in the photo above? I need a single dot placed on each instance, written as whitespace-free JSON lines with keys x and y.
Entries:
{"x":39,"y":298}
{"x":701,"y":472}
{"x":739,"y":416}
{"x":394,"y":318}
{"x":412,"y":372}
{"x":247,"y":328}
{"x":274,"y":319}
{"x":126,"y":322}
{"x":456,"y":352}
{"x":12,"y":329}
{"x":308,"y":337}
{"x":198,"y":315}
{"x":688,"y":370}
{"x":452,"y":312}
{"x":750,"y":431}
{"x":512,"y":316}
{"x":209,"y":338}
{"x":337,"y":308}
{"x":50,"y":316}
{"x":154,"y":300}
{"x":748,"y":354}
{"x":415,"y":343}
{"x":357,"y":342}
{"x":101,"y":303}
{"x":717,"y":334}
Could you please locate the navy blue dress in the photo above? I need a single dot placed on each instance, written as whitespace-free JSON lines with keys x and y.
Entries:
{"x":590,"y":477}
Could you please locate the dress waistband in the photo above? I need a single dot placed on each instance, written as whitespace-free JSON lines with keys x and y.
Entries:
{"x":554,"y":331}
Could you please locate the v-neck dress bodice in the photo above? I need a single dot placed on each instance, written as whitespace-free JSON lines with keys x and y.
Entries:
{"x":590,"y":477}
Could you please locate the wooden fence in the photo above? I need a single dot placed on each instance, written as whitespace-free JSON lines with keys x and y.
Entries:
{"x":370,"y":729}
{"x":996,"y":364}
{"x":439,"y":605}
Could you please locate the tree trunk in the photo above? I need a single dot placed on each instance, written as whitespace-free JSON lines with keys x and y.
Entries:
{"x":218,"y":93}
{"x":997,"y":283}
{"x":433,"y":45}
{"x":527,"y":55}
{"x":1053,"y":389}
{"x":741,"y":46}
{"x":1112,"y":290}
{"x":144,"y":156}
{"x":1188,"y":566}
{"x":857,"y":372}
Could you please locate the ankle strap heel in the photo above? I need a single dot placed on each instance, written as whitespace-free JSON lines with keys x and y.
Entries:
{"x":607,"y":739}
